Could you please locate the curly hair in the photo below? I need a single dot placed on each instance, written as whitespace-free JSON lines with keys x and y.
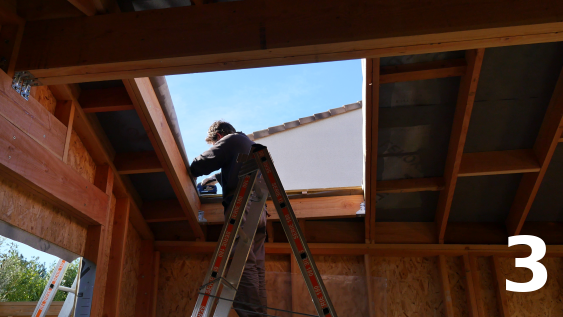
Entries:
{"x":222,"y":127}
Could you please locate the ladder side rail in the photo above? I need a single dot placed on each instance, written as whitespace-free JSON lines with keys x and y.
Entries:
{"x":50,"y":289}
{"x":224,"y":246}
{"x":294,"y":235}
{"x":68,"y":305}
{"x":244,"y":244}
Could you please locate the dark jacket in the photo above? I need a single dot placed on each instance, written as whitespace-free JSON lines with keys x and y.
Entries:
{"x":223,"y":155}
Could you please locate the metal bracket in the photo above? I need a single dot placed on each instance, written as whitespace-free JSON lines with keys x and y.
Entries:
{"x":22,"y":83}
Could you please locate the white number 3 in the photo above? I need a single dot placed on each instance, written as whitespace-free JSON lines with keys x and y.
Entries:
{"x":540,"y":273}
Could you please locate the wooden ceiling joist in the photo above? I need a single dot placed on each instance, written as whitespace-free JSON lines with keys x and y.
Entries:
{"x":152,"y":117}
{"x":76,"y":49}
{"x":466,"y":97}
{"x":410,"y":185}
{"x":137,"y":163}
{"x":544,"y":147}
{"x":421,"y":71}
{"x":105,"y":100}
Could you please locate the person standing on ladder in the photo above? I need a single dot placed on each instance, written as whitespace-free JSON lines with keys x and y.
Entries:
{"x":227,"y":144}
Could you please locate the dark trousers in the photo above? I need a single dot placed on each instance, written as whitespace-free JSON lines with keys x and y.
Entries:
{"x":252,"y":286}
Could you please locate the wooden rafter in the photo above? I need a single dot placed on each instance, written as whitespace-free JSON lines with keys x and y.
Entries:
{"x":101,"y":152}
{"x":152,"y":116}
{"x":544,"y":147}
{"x":105,"y":100}
{"x":137,"y":163}
{"x":466,"y":97}
{"x":370,"y":129}
{"x":421,"y":71}
{"x":78,"y":46}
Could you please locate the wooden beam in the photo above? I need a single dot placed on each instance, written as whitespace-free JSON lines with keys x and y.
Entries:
{"x":466,"y":97}
{"x":105,"y":100}
{"x":64,"y":111}
{"x":146,"y":279}
{"x":446,"y":289}
{"x":470,"y":285}
{"x":27,"y":308}
{"x":304,"y":208}
{"x":264,"y":33}
{"x":30,"y":164}
{"x":117,"y":258}
{"x":407,"y":250}
{"x":101,"y":151}
{"x":370,"y":130}
{"x":150,"y":112}
{"x":499,"y":282}
{"x":410,"y":185}
{"x":544,"y":147}
{"x":421,"y":71}
{"x":32,"y":118}
{"x":137,"y":163}
{"x":498,"y":162}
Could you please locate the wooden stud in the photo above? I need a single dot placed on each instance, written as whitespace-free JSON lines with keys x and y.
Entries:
{"x":498,"y":162}
{"x":371,"y":303}
{"x":105,"y":100}
{"x":156,"y":269}
{"x":297,"y":280}
{"x":117,"y":258}
{"x":446,"y":290}
{"x":150,"y":112}
{"x":140,"y":50}
{"x":476,"y":277}
{"x":499,"y":282}
{"x":64,"y":111}
{"x":470,"y":287}
{"x":145,"y":289}
{"x":137,"y":163}
{"x":421,"y":71}
{"x":370,"y":125}
{"x":466,"y":97}
{"x":544,"y":147}
{"x":270,"y":231}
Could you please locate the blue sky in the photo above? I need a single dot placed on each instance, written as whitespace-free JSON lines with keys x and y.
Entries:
{"x":252,"y":100}
{"x":255,"y":99}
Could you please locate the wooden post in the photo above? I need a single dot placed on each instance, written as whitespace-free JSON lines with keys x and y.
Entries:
{"x":64,"y":111}
{"x":446,"y":290}
{"x":499,"y":282}
{"x":371,"y":119}
{"x":117,"y":257}
{"x":98,"y":240}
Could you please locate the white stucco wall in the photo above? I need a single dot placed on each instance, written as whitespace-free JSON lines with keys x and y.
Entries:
{"x":323,"y":154}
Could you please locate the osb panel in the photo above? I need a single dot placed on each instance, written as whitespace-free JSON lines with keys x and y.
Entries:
{"x":278,"y":263}
{"x":102,"y":269}
{"x":129,"y":280}
{"x":456,"y":274}
{"x":278,"y":283}
{"x":545,"y":302}
{"x":413,"y":286}
{"x":28,"y":212}
{"x":79,"y":159}
{"x":45,"y":97}
{"x":488,"y":293}
{"x":345,"y":281}
{"x":179,"y":278}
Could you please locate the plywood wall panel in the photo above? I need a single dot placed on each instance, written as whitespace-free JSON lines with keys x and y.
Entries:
{"x":22,"y":209}
{"x":545,"y":302}
{"x":130,"y":272}
{"x":413,"y":285}
{"x":456,"y":274}
{"x":488,"y":293}
{"x":79,"y":159}
{"x":278,"y":283}
{"x":179,"y":278}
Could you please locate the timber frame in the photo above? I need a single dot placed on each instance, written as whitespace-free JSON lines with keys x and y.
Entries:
{"x":67,"y":49}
